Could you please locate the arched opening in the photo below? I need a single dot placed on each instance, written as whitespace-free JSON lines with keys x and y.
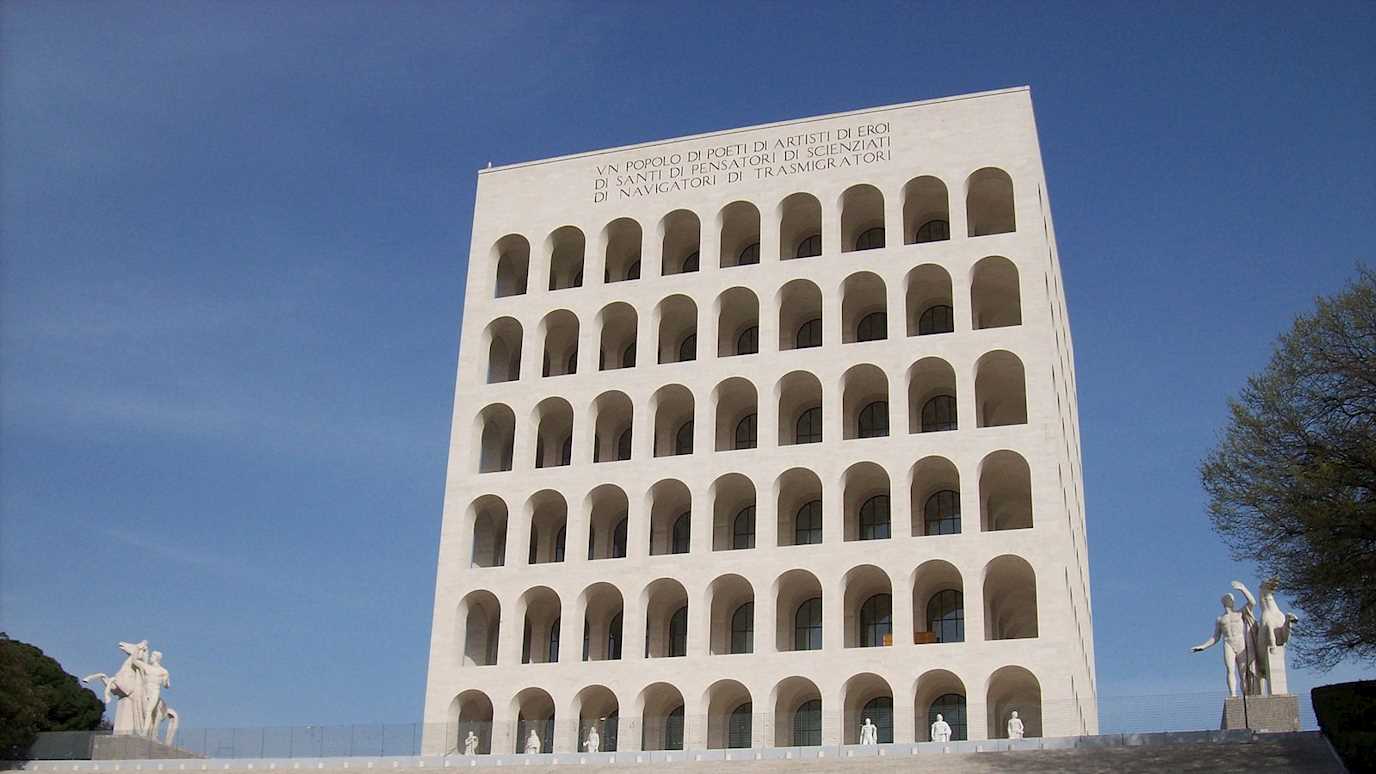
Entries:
{"x":534,"y":711}
{"x":661,"y":717}
{"x":470,"y":713}
{"x":672,"y":407}
{"x":926,"y":211}
{"x":868,"y":697}
{"x":612,"y":423}
{"x":799,"y":493}
{"x":548,"y":521}
{"x":740,"y":234}
{"x":733,"y":513}
{"x":554,"y":433}
{"x":666,"y":619}
{"x":728,"y":715}
{"x":935,"y":498}
{"x":930,"y":308}
{"x":498,"y":424}
{"x":866,"y":500}
{"x":1010,"y":599}
{"x":1005,"y":492}
{"x":940,"y":692}
{"x":623,"y":237}
{"x":559,"y":330}
{"x":995,"y":294}
{"x":488,"y":517}
{"x":671,"y":507}
{"x":540,"y":631}
{"x":989,"y":202}
{"x":800,"y":315}
{"x":566,"y":258}
{"x":737,"y":413}
{"x":864,"y":309}
{"x":682,"y":242}
{"x":678,"y":329}
{"x":932,"y":396}
{"x":1014,"y":689}
{"x":1000,"y":390}
{"x":513,"y":265}
{"x":868,"y":607}
{"x":865,"y":402}
{"x":738,"y":323}
{"x":503,"y":337}
{"x":800,"y":408}
{"x":797,"y":611}
{"x":800,"y":227}
{"x":797,"y":713}
{"x":862,"y":218}
{"x":479,"y":617}
{"x":618,"y":322}
{"x":602,"y":607}
{"x":731,"y":605}
{"x":607,"y":522}
{"x":597,"y":710}
{"x":938,"y":603}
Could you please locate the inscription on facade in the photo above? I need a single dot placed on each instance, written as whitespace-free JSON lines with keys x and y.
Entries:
{"x":732,"y":161}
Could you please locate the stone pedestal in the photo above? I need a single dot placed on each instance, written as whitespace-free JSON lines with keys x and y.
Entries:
{"x":1262,"y":713}
{"x":134,"y":748}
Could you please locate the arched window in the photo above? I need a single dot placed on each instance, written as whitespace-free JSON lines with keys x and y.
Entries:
{"x":746,"y":437}
{"x":743,"y":629}
{"x":673,"y":729}
{"x":809,"y":428}
{"x":678,"y":634}
{"x":874,"y":420}
{"x":873,"y":327}
{"x":633,"y":271}
{"x":880,"y":712}
{"x":941,"y":513}
{"x":939,"y":414}
{"x":743,"y":528}
{"x":810,"y":247}
{"x":946,"y":616}
{"x":619,"y":538}
{"x":628,"y":357}
{"x":683,"y":440}
{"x":614,"y":638}
{"x":936,"y":319}
{"x":748,"y":343}
{"x":874,"y":518}
{"x":876,"y":621}
{"x":871,"y":238}
{"x":688,"y":348}
{"x":552,"y":653}
{"x":807,"y":525}
{"x":738,"y":727}
{"x":807,"y":724}
{"x":623,"y":445}
{"x":809,"y":334}
{"x":933,"y":231}
{"x":807,"y":625}
{"x":682,"y":534}
{"x":749,"y":256}
{"x":951,"y":707}
{"x":690,"y":262}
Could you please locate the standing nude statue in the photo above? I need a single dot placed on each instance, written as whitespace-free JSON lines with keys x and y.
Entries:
{"x":1233,"y":630}
{"x":470,"y":744}
{"x":869,"y":733}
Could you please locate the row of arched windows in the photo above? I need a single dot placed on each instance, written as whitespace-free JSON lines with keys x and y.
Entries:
{"x":994,"y":302}
{"x":925,"y":218}
{"x":1000,"y":398}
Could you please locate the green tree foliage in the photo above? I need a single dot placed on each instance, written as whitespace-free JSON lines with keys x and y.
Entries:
{"x":1292,"y":483}
{"x":36,"y":694}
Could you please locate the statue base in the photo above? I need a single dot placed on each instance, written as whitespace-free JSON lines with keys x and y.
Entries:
{"x":1262,"y":713}
{"x":134,"y":748}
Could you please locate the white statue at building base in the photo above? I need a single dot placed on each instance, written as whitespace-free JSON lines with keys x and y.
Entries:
{"x":1015,"y":726}
{"x":470,"y":744}
{"x":869,"y":733}
{"x":594,"y":742}
{"x":1253,"y":649}
{"x":137,"y":687}
{"x":532,"y":743}
{"x":941,"y":730}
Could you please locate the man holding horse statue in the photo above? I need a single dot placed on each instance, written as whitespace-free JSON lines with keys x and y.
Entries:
{"x":137,"y":688}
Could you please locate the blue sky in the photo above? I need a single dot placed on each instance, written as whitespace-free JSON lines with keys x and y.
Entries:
{"x":233,"y":240}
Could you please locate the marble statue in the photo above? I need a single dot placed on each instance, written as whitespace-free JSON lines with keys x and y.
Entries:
{"x":1015,"y":727}
{"x":869,"y":733}
{"x":136,"y":688}
{"x":1253,"y":649}
{"x":1270,"y":634}
{"x":532,"y":743}
{"x":1233,"y":630}
{"x":470,"y":744}
{"x":941,"y":730}
{"x":594,"y":742}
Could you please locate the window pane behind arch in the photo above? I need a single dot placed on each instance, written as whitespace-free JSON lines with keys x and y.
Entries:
{"x":933,"y":231}
{"x":810,"y":247}
{"x":939,"y":414}
{"x":874,"y":518}
{"x":807,"y":724}
{"x":809,"y":334}
{"x":746,"y":437}
{"x":688,"y":348}
{"x":936,"y":319}
{"x":748,"y":343}
{"x":873,"y":421}
{"x":743,"y":629}
{"x":809,"y":427}
{"x":673,"y":729}
{"x":870,"y":239}
{"x":807,"y":524}
{"x":738,"y":727}
{"x":750,"y":255}
{"x":807,"y":625}
{"x":682,"y":535}
{"x":683,"y":440}
{"x":952,"y":708}
{"x":880,"y":712}
{"x":941,"y":513}
{"x":623,"y":445}
{"x":743,"y":529}
{"x":619,"y":539}
{"x":873,"y":327}
{"x":678,"y":633}
{"x":876,"y":620}
{"x":946,"y":616}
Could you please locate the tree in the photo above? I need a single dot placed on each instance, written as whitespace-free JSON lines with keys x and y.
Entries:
{"x":1292,"y":482}
{"x":36,"y":694}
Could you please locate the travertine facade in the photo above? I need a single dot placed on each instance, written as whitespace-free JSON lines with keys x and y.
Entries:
{"x":763,"y":432}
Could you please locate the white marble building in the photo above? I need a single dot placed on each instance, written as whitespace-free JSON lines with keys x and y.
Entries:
{"x":762,"y":432}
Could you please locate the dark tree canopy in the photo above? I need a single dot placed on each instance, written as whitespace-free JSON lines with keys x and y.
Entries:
{"x":36,"y":694}
{"x":1292,"y":483}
